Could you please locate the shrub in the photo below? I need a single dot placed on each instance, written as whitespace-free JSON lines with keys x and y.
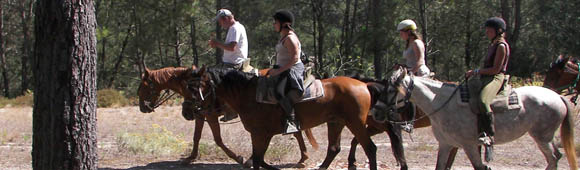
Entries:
{"x":111,"y":98}
{"x":159,"y":142}
{"x":20,"y":101}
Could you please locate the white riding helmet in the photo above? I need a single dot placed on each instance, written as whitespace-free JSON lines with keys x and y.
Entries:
{"x":407,"y":24}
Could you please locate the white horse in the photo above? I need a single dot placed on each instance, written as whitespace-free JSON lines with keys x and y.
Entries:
{"x":455,"y":126}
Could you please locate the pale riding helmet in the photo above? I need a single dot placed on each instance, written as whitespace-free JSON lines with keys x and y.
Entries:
{"x":406,"y":25}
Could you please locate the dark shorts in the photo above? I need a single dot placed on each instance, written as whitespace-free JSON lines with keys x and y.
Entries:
{"x":292,"y":79}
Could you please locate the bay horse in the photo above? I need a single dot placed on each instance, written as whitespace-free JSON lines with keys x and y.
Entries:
{"x":563,"y":74}
{"x":153,"y":82}
{"x":346,"y":102}
{"x":379,"y":95}
{"x":454,"y":125}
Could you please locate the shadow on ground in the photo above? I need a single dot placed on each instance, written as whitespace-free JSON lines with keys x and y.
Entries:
{"x":178,"y":165}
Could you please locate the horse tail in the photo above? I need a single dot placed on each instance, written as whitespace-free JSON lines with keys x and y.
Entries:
{"x":567,"y":134}
{"x":311,"y":138}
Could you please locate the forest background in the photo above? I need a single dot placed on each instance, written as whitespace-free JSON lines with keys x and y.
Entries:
{"x":346,"y":36}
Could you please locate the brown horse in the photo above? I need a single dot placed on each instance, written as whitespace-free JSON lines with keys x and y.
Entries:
{"x":346,"y":102}
{"x":155,"y":81}
{"x":393,"y":130}
{"x":563,"y":74}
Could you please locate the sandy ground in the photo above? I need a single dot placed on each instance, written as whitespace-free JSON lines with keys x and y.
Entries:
{"x":420,"y":147}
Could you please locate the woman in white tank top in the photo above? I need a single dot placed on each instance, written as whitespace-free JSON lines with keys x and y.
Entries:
{"x":414,"y":50}
{"x":288,"y":71}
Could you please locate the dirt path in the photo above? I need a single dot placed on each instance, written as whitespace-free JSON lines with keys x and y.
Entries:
{"x":16,"y":137}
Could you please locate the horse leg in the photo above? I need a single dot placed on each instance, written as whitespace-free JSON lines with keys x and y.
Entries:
{"x":196,"y":137}
{"x":451,"y":158}
{"x":371,"y":130}
{"x":474,"y":155}
{"x":334,"y":130}
{"x":260,"y":144}
{"x":214,"y":125}
{"x":397,"y":145}
{"x":359,"y":131}
{"x":549,"y":150}
{"x":443,"y":155}
{"x":303,"y":151}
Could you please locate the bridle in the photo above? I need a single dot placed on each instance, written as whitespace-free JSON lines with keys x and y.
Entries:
{"x":409,"y":90}
{"x":571,"y":85}
{"x":195,"y":85}
{"x":167,"y":94}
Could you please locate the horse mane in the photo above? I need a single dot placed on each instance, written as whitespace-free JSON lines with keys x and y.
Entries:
{"x":230,"y":78}
{"x":165,"y":74}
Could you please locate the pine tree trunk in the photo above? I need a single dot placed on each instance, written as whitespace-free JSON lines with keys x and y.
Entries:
{"x":5,"y":80}
{"x":64,"y":67}
{"x":26,"y":14}
{"x":218,"y":34}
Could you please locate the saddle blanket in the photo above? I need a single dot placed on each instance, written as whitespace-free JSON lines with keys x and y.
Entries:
{"x":507,"y":99}
{"x":265,"y":92}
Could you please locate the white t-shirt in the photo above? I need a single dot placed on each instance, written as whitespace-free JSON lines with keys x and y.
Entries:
{"x":236,"y":33}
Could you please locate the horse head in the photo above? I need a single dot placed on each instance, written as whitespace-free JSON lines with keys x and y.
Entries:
{"x":561,"y":74}
{"x":202,"y":88}
{"x":397,"y":78}
{"x":148,"y":92}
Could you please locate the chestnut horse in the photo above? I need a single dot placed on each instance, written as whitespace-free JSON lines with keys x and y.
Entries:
{"x":346,"y":102}
{"x":379,"y":93}
{"x":563,"y":74}
{"x":155,"y":81}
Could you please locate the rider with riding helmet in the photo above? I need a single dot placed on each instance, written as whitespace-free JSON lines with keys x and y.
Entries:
{"x":491,"y":76}
{"x":414,"y":49}
{"x":288,"y":70}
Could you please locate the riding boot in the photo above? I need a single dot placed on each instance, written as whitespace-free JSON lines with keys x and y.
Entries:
{"x":290,"y":123}
{"x":486,"y":128}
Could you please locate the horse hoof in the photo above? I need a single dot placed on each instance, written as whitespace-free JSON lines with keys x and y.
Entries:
{"x":187,"y":161}
{"x":300,"y":165}
{"x":248,"y":163}
{"x":240,"y":160}
{"x":352,"y":167}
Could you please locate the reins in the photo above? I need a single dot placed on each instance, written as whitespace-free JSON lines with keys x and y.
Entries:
{"x":408,"y":95}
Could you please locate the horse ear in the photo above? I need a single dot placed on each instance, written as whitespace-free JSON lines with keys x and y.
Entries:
{"x":145,"y":73}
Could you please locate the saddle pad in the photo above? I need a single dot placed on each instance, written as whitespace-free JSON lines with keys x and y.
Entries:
{"x":265,"y":92}
{"x":506,"y":99}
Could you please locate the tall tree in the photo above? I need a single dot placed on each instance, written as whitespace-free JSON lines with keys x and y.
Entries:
{"x":375,"y":6}
{"x":64,"y":67}
{"x":218,"y":34}
{"x":26,"y":16}
{"x":5,"y":80}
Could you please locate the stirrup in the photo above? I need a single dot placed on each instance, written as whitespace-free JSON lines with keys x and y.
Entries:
{"x":291,"y":127}
{"x":485,"y":139}
{"x":407,"y":127}
{"x":228,"y":117}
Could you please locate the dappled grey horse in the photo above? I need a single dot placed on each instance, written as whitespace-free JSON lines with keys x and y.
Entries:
{"x":454,"y":125}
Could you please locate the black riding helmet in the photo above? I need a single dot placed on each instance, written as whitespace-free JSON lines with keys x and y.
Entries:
{"x":284,"y":16}
{"x":497,"y":23}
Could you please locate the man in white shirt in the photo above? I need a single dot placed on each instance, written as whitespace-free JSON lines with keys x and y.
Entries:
{"x":236,"y":44}
{"x":235,"y":47}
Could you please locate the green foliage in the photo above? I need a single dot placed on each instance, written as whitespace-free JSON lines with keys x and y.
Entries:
{"x":353,"y":36}
{"x":111,"y":98}
{"x":159,"y":142}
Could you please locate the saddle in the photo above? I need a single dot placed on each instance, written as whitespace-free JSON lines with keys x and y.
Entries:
{"x":506,"y":99}
{"x":246,"y":67}
{"x":266,"y":90}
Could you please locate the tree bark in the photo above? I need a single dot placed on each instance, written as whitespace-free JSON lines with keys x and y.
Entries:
{"x":194,"y":42}
{"x":468,"y":33}
{"x":378,"y":64}
{"x":26,"y":14}
{"x":5,"y":80}
{"x":64,"y":68}
{"x":424,"y":31}
{"x":218,"y":34}
{"x":176,"y":34}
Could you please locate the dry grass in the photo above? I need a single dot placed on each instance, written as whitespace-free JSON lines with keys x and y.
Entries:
{"x":16,"y":125}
